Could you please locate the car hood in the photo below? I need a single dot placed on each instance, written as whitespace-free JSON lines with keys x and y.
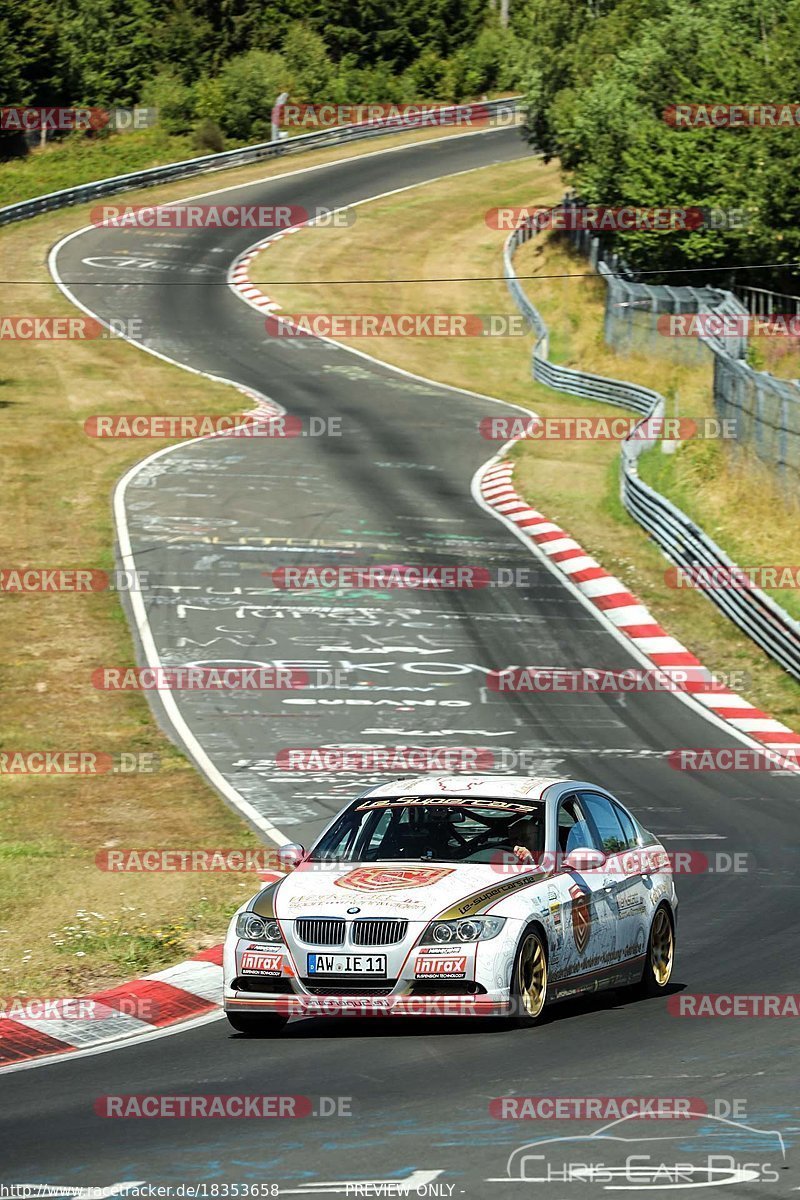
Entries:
{"x":413,"y":890}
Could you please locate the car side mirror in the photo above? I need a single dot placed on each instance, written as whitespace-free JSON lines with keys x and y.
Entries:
{"x":584,"y":858}
{"x":290,"y":856}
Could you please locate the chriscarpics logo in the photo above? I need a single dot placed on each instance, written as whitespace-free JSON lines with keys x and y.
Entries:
{"x":646,"y":1153}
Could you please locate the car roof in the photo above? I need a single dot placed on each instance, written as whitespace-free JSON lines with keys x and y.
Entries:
{"x":489,"y":787}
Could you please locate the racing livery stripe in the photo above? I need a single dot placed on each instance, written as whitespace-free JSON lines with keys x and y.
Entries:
{"x":471,"y":905}
{"x":264,"y":903}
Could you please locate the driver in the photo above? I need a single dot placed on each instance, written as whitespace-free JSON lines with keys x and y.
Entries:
{"x":527,"y":837}
{"x":439,"y":830}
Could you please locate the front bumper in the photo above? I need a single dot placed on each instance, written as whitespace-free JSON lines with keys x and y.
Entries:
{"x":497,"y":1005}
{"x":419,"y":980}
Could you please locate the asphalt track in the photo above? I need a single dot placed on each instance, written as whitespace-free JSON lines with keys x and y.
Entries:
{"x":206,"y":521}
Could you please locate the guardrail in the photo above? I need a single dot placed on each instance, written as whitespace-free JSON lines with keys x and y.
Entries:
{"x":761,"y":302}
{"x":151,"y":176}
{"x":756,"y":614}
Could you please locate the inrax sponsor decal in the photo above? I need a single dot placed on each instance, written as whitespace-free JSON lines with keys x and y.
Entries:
{"x":264,"y":903}
{"x":452,"y":967}
{"x":261,"y":963}
{"x":581,"y":917}
{"x":447,"y":802}
{"x":383,"y":879}
{"x":473,"y":904}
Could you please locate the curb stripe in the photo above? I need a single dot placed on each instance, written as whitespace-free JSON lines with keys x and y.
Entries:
{"x":610,"y":596}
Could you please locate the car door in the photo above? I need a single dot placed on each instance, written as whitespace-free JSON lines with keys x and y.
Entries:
{"x":623,"y":884}
{"x":585,"y":917}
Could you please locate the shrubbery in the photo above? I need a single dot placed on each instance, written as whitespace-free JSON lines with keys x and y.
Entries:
{"x":597,"y":92}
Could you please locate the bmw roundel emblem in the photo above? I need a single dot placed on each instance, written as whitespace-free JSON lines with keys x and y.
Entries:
{"x":353,"y":910}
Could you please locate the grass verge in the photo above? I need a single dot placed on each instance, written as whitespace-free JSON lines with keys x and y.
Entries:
{"x":442,"y":231}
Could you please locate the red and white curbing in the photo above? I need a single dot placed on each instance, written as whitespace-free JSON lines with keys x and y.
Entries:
{"x":624,"y":610}
{"x":181,"y":993}
{"x":239,"y":276}
{"x":190,"y":989}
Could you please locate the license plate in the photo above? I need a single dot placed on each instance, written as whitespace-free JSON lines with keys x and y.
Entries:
{"x":347,"y":964}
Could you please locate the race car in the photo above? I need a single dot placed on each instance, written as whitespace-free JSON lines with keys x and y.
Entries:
{"x":456,"y":895}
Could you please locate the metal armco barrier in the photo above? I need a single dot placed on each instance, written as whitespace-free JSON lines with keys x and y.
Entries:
{"x":460,"y":113}
{"x":682,"y":541}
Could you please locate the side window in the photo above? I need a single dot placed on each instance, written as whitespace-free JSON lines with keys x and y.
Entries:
{"x":603,"y":816}
{"x":574,"y":830}
{"x":628,"y":827}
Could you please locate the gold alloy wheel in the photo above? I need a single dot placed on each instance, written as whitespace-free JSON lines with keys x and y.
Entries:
{"x":532,"y":975}
{"x":662,"y":947}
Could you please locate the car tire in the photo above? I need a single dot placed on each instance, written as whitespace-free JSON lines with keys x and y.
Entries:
{"x":256,"y":1024}
{"x":529,"y":978}
{"x":660,"y":954}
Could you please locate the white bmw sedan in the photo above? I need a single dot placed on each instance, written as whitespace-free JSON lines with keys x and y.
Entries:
{"x":458,"y":895}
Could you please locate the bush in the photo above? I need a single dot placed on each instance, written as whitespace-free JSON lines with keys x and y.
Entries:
{"x":209,"y":100}
{"x":370,"y":85}
{"x":432,"y":77}
{"x":495,"y":60}
{"x":172,"y":98}
{"x":249,"y":85}
{"x":311,"y":72}
{"x":208,"y":137}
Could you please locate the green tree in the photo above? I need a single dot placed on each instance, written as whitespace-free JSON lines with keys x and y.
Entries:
{"x":311,"y":72}
{"x":173,"y":99}
{"x":249,"y":84}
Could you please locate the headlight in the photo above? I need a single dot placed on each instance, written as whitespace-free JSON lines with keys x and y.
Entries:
{"x":475,"y":929}
{"x":257,"y":929}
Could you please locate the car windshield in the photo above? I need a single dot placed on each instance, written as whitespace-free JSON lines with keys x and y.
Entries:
{"x":425,"y":828}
